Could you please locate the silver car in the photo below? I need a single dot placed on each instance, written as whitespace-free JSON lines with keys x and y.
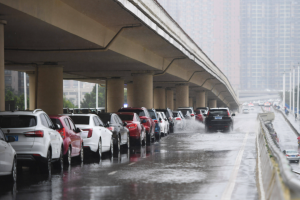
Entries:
{"x":292,"y":155}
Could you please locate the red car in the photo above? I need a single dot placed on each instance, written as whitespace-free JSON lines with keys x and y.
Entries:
{"x":199,"y":115}
{"x":73,"y":143}
{"x":136,"y":129}
{"x":146,"y":120}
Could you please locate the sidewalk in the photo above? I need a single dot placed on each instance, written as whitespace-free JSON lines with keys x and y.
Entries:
{"x":291,"y":118}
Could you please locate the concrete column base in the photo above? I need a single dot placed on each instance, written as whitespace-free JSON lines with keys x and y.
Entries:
{"x":115,"y":94}
{"x":170,"y":99}
{"x":50,"y":89}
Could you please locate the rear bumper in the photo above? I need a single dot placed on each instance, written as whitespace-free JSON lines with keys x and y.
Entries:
{"x":293,"y":158}
{"x":27,"y":159}
{"x":218,"y":127}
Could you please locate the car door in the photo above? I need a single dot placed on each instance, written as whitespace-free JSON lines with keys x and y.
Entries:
{"x":75,"y":137}
{"x":123,"y":131}
{"x":54,"y":135}
{"x":3,"y":151}
{"x":105,"y":133}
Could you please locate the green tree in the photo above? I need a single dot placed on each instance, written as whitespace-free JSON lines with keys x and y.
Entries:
{"x":18,"y":99}
{"x":89,"y":100}
{"x":67,"y":103}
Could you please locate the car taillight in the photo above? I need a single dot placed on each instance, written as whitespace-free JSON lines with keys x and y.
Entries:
{"x":287,"y":155}
{"x":131,"y":126}
{"x":155,"y":121}
{"x":170,"y":118}
{"x":34,"y":134}
{"x":228,"y":113}
{"x":207,"y":113}
{"x":90,"y":132}
{"x":111,"y":128}
{"x":178,"y":118}
{"x":192,"y":115}
{"x":62,"y":132}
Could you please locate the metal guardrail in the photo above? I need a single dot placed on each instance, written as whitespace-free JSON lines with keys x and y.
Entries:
{"x":287,"y":175}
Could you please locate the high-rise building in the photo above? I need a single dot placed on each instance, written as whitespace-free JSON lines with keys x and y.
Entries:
{"x":214,"y":25}
{"x":269,"y":42}
{"x":14,"y":81}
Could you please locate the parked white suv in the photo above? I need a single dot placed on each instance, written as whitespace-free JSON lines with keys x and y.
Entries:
{"x":8,"y":157}
{"x":95,"y":136}
{"x":36,"y":138}
{"x":184,"y":111}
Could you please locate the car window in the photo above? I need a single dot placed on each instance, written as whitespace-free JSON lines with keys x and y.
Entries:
{"x":56,"y":121}
{"x":218,"y":113}
{"x":100,"y":122}
{"x":184,"y":111}
{"x":67,"y":123}
{"x":80,"y":119}
{"x":44,"y":120}
{"x":137,"y":118}
{"x":126,"y":117}
{"x":118,"y":119}
{"x":152,"y":114}
{"x":175,"y":114}
{"x":167,"y":114}
{"x":72,"y":125}
{"x":96,"y":122}
{"x":50,"y":124}
{"x":105,"y":117}
{"x":17,"y":121}
{"x":138,"y":112}
{"x":2,"y":135}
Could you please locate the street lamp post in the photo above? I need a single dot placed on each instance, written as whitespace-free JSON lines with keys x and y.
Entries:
{"x":290,"y":90}
{"x":293,"y":89}
{"x":298,"y":94}
{"x":283,"y":95}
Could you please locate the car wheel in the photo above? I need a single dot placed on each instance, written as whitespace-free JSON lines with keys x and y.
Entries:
{"x":46,"y":166}
{"x":99,"y":150}
{"x":128,"y":141}
{"x":68,"y":158}
{"x":145,"y":140}
{"x":81,"y":155}
{"x":118,"y":144}
{"x":148,"y":138}
{"x":111,"y":147}
{"x":60,"y":163}
{"x":13,"y":176}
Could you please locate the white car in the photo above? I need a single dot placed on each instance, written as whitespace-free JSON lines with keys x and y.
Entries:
{"x":167,"y":122}
{"x":180,"y":122}
{"x":163,"y":123}
{"x":95,"y":136}
{"x":245,"y":110}
{"x":8,"y":157}
{"x":188,"y":109}
{"x":36,"y":138}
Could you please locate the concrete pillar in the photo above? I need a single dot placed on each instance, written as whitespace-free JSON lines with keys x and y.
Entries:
{"x":175,"y":106}
{"x":159,"y":98}
{"x":182,"y":95}
{"x":115,"y":94}
{"x":50,"y":89}
{"x":170,"y":99}
{"x":143,"y":89}
{"x":2,"y":75}
{"x":213,"y":103}
{"x":191,"y":102}
{"x":130,"y":94}
{"x":200,"y":99}
{"x":32,"y":85}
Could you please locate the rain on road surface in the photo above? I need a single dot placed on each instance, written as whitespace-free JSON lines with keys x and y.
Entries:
{"x":184,"y":165}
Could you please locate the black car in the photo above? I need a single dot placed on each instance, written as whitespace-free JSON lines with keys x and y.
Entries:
{"x":120,"y":132}
{"x":219,"y":119}
{"x":169,"y":114}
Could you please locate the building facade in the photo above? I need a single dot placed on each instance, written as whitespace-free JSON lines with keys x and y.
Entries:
{"x":214,"y":25}
{"x":269,"y":42}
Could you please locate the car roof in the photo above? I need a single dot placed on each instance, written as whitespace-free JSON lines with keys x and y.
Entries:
{"x":125,"y":113}
{"x":22,"y":112}
{"x":57,"y":116}
{"x":105,"y":114}
{"x":80,"y":114}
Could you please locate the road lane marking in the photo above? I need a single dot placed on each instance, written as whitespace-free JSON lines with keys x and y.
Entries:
{"x":230,"y":186}
{"x":112,"y":173}
{"x":132,"y":163}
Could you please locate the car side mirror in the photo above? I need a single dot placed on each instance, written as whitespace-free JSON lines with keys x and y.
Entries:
{"x":10,"y":139}
{"x":78,"y":130}
{"x":233,"y":115}
{"x":57,"y":126}
{"x":144,"y":121}
{"x":125,"y":124}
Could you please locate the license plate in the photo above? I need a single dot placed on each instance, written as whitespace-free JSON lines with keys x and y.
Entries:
{"x":218,"y":117}
{"x":15,"y":136}
{"x":293,"y":156}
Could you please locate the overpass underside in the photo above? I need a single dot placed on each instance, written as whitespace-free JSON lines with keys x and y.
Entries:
{"x":116,"y":42}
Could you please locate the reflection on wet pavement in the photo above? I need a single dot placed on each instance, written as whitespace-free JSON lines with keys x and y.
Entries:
{"x":184,"y":165}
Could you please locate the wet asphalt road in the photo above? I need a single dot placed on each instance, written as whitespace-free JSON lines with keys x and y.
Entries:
{"x":184,"y":165}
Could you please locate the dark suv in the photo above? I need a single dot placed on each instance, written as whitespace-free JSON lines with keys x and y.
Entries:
{"x":219,"y":119}
{"x":169,"y":114}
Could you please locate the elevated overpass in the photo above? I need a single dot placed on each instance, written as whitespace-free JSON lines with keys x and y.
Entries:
{"x":114,"y":42}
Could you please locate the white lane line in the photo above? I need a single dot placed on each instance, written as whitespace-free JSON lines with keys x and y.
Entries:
{"x":230,"y":186}
{"x":132,"y":163}
{"x":112,"y":173}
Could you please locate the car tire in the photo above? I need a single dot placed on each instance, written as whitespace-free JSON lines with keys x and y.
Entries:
{"x":145,"y":141}
{"x":13,"y":176}
{"x":118,"y":144}
{"x":45,"y":167}
{"x":111,"y":147}
{"x":128,"y":141}
{"x":67,"y":157}
{"x":157,"y":136}
{"x":81,"y":154}
{"x":148,"y":138}
{"x":60,"y":163}
{"x":99,"y":149}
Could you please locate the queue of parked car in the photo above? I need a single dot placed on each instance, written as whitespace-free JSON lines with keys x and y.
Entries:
{"x":33,"y":138}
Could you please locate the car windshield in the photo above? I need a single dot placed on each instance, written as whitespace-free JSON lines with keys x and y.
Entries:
{"x":138,"y":112}
{"x":105,"y":117}
{"x":80,"y":119}
{"x":17,"y":121}
{"x":175,"y":114}
{"x":291,"y":152}
{"x":198,"y":112}
{"x":126,"y":117}
{"x":56,"y":121}
{"x":184,"y":111}
{"x":152,"y":114}
{"x":218,"y":113}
